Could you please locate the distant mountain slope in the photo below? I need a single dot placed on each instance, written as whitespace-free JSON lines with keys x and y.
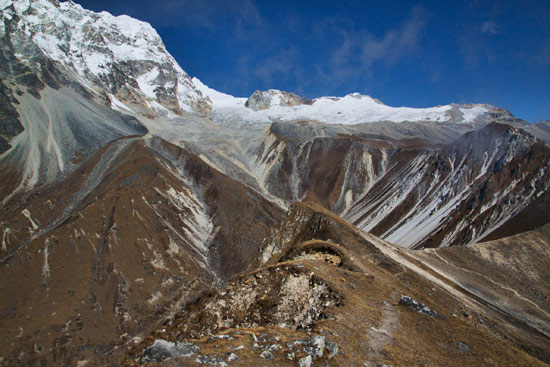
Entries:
{"x":458,"y":194}
{"x":109,"y":251}
{"x":535,"y":215}
{"x":409,"y":191}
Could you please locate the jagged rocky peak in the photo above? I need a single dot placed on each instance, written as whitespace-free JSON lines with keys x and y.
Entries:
{"x":261,"y":100}
{"x":120,"y":57}
{"x":481,"y":113}
{"x":15,"y":7}
{"x":358,"y":96}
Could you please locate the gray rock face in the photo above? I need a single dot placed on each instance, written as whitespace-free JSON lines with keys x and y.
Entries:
{"x":211,"y":360}
{"x":162,"y":350}
{"x":10,"y":125}
{"x":306,"y":362}
{"x":319,"y":344}
{"x":419,"y":307}
{"x":232,"y":357}
{"x":267,"y":355}
{"x":332,"y":349}
{"x":260,"y":100}
{"x":463,"y":347}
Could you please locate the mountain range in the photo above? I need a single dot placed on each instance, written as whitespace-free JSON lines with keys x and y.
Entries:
{"x":148,"y":219}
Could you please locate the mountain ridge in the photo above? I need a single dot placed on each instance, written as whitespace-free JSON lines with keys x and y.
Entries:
{"x":338,"y":264}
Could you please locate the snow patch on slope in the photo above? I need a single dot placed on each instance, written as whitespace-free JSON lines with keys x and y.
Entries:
{"x":218,"y":99}
{"x":117,"y":105}
{"x":147,"y":83}
{"x":27,"y":214}
{"x":201,"y":225}
{"x":469,"y":115}
{"x":46,"y":267}
{"x":5,"y":238}
{"x":197,"y":226}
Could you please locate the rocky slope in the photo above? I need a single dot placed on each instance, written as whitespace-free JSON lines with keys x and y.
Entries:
{"x":409,"y":191}
{"x":507,"y":274}
{"x":457,"y":194}
{"x":329,"y":294}
{"x":147,"y":226}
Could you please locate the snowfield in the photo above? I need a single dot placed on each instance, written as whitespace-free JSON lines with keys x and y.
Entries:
{"x":351,"y":109}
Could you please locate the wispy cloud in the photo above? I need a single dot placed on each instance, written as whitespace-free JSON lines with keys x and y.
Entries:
{"x":476,"y":49}
{"x":246,"y":19}
{"x":272,"y":70}
{"x":353,"y":54}
{"x":489,"y":27}
{"x":209,"y":15}
{"x":359,"y":52}
{"x":281,"y":65}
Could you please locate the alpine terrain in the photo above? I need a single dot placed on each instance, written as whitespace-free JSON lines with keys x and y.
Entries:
{"x":147,"y":219}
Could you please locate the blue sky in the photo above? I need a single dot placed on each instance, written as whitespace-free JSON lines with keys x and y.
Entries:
{"x":405,"y":53}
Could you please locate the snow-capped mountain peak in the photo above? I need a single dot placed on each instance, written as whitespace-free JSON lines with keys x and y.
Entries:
{"x":125,"y":61}
{"x":354,"y":108}
{"x":114,"y":55}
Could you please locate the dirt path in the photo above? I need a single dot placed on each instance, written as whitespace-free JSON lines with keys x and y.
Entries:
{"x":382,"y":335}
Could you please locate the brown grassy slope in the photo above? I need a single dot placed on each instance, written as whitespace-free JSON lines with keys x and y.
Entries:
{"x":121,"y":259}
{"x":511,"y":275}
{"x":359,"y":281}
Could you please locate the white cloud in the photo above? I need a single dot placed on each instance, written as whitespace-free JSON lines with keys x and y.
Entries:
{"x":360,"y":51}
{"x":489,"y":27}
